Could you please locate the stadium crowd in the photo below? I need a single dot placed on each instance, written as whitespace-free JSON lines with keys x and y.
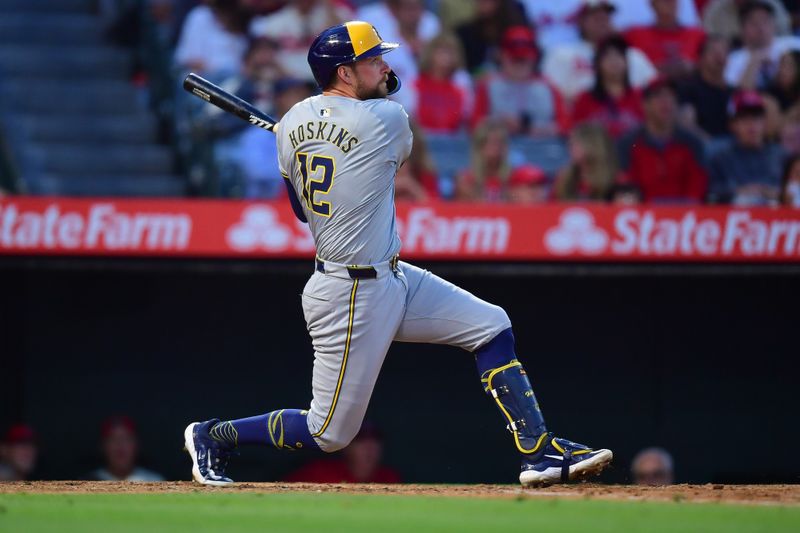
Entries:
{"x":669,"y":101}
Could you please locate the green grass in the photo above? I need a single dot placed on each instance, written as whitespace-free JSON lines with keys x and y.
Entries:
{"x":326,"y":512}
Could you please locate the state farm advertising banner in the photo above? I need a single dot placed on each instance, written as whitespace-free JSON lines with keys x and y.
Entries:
{"x":447,"y":231}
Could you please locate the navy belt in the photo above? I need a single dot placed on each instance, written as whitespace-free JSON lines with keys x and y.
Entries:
{"x":355,"y":272}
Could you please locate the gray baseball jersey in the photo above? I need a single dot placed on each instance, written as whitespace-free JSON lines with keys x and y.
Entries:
{"x":341,"y":156}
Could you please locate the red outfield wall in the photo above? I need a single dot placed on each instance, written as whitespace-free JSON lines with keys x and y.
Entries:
{"x":485,"y":232}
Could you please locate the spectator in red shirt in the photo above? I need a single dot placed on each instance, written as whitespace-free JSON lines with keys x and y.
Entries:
{"x":442,"y":104}
{"x":592,"y":169}
{"x":360,"y":463}
{"x":487,"y":177}
{"x":672,"y":48}
{"x":662,"y":159}
{"x":612,"y":102}
{"x":518,"y":94}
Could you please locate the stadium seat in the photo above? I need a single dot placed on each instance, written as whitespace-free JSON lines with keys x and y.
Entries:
{"x":130,"y":129}
{"x":108,"y":185}
{"x":74,"y":122}
{"x":36,"y":28}
{"x":74,"y":158}
{"x":68,"y":61}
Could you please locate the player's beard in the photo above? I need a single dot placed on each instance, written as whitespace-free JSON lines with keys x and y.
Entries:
{"x":372,"y":93}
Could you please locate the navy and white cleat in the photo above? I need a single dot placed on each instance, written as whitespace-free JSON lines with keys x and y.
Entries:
{"x":209,"y":457}
{"x":560,"y":461}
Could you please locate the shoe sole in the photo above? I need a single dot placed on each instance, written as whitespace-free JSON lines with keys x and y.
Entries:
{"x":188,"y":445}
{"x":583,"y":470}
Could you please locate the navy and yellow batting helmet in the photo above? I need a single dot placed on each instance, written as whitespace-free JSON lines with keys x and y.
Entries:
{"x":347,"y":43}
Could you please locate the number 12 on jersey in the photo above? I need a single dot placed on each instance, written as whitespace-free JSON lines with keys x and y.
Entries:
{"x":315,"y":182}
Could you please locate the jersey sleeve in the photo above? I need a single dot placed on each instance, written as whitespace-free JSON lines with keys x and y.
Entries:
{"x":393,"y":124}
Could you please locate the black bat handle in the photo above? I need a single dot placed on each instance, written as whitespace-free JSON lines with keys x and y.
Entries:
{"x":213,"y":94}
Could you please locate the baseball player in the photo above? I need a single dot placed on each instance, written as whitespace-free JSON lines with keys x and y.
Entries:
{"x":339,"y":153}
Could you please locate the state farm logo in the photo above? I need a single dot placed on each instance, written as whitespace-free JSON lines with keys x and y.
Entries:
{"x":259,"y":228}
{"x":676,"y":233}
{"x":576,"y":232}
{"x":98,"y":226}
{"x":425,"y":231}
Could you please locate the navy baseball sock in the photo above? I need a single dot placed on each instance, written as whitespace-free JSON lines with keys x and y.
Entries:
{"x":505,"y":380}
{"x":284,"y":429}
{"x":496,"y":353}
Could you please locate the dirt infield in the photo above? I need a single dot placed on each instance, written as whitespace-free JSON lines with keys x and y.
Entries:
{"x":756,"y":494}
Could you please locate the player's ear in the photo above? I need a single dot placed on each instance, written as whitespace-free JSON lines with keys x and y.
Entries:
{"x":345,"y":73}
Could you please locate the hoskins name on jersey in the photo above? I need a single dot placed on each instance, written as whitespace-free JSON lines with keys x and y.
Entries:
{"x":323,"y":131}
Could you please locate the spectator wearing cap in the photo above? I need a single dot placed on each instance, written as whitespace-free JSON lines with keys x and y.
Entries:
{"x":443,"y":104}
{"x":19,"y":452}
{"x":705,"y":95}
{"x":721,"y":17}
{"x":592,"y":169}
{"x":671,"y":47}
{"x":120,"y":448}
{"x":360,"y":462}
{"x":790,"y":183}
{"x":653,"y":466}
{"x":517,"y":94}
{"x":481,"y":35}
{"x":748,"y":172}
{"x":528,"y":185}
{"x":755,"y":64}
{"x":570,"y":66}
{"x":213,"y":38}
{"x":295,"y":26}
{"x":662,"y":159}
{"x":612,"y":102}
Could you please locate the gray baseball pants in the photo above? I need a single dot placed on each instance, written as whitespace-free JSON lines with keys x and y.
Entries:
{"x":352,"y":323}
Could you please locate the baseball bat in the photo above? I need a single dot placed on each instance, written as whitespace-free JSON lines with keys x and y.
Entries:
{"x":202,"y":88}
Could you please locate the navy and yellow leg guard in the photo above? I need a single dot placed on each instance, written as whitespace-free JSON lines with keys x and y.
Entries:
{"x":512,"y":391}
